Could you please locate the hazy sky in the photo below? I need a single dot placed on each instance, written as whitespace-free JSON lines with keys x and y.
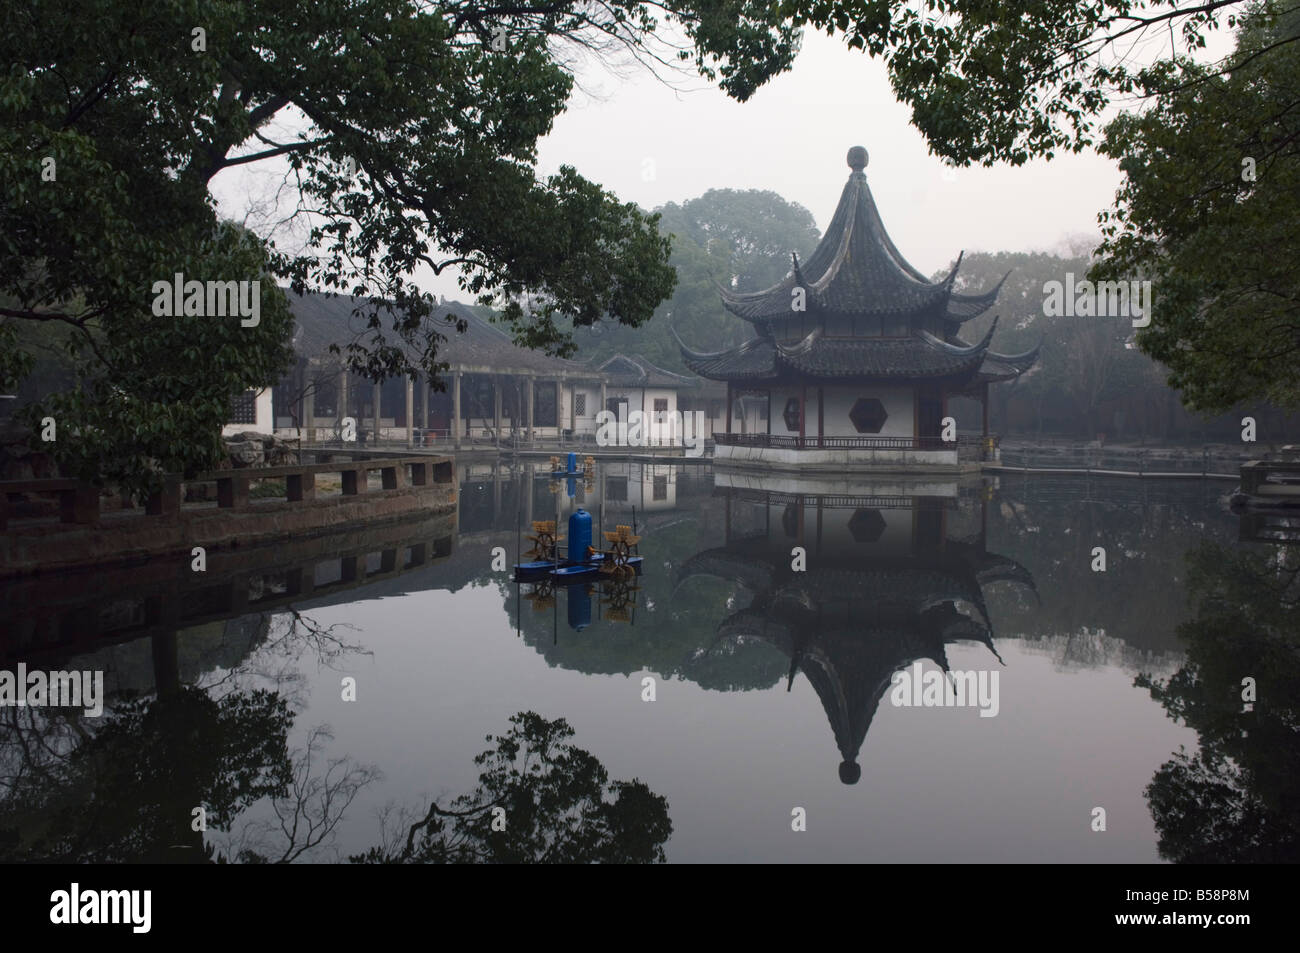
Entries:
{"x":650,"y":144}
{"x":792,"y":136}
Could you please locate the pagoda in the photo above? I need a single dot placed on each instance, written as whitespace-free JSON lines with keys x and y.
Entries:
{"x":856,"y":355}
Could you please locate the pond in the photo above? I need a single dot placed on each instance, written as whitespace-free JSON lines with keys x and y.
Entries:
{"x":854,"y":669}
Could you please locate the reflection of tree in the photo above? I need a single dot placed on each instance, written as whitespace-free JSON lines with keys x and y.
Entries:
{"x":1051,"y":524}
{"x":559,"y":807}
{"x":127,"y":793}
{"x":307,"y":816}
{"x":124,"y":787}
{"x":1238,"y":798}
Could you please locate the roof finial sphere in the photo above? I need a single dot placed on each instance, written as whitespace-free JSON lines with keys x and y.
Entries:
{"x":857,"y":158}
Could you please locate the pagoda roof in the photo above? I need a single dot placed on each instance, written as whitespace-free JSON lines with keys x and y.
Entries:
{"x":921,"y":355}
{"x":857,"y":270}
{"x":322,"y":319}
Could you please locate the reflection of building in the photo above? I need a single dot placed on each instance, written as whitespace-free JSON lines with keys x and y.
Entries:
{"x":889,"y":580}
{"x":504,"y":495}
{"x":856,"y":354}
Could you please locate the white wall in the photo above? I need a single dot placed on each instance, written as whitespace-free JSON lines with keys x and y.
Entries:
{"x":582,"y":423}
{"x":265,"y":421}
{"x":899,"y":402}
{"x":659,"y":431}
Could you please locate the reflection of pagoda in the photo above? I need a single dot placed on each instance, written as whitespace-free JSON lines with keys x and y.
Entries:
{"x":886,"y":585}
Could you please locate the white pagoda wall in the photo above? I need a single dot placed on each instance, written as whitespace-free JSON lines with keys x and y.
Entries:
{"x":899,"y":402}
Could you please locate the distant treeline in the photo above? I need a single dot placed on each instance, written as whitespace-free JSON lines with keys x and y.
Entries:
{"x":1090,"y":378}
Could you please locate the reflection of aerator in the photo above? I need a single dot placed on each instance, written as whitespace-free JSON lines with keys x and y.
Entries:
{"x":571,"y":470}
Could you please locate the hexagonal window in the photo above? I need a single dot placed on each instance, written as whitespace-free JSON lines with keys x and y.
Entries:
{"x":792,"y":415}
{"x":868,"y":415}
{"x":866,"y":525}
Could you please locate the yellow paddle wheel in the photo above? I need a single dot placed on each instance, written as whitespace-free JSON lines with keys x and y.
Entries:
{"x":544,"y":539}
{"x":621,"y":540}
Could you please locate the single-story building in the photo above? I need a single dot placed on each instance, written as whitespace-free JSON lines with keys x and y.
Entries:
{"x":634,"y":384}
{"x":491,"y":392}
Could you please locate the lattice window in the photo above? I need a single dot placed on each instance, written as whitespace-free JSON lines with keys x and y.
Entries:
{"x":243,"y":409}
{"x":580,"y":404}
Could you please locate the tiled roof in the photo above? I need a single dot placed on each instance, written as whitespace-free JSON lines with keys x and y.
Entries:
{"x":1004,"y":367}
{"x":321,"y":320}
{"x":753,"y":360}
{"x":857,"y":270}
{"x":624,"y":370}
{"x":919,"y":356}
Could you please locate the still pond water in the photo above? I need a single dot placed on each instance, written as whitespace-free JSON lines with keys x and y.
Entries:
{"x":746,"y":679}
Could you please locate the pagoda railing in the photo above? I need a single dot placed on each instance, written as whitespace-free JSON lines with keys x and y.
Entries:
{"x":780,"y":441}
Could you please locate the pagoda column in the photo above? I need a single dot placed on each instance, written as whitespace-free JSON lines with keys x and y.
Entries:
{"x":803,"y":413}
{"x":424,"y":401}
{"x":532,"y":394}
{"x":728,"y":407}
{"x":410,"y":411}
{"x":496,"y":410}
{"x":821,"y":417}
{"x":309,"y":408}
{"x":455,"y":409}
{"x":985,"y":452}
{"x":343,"y":395}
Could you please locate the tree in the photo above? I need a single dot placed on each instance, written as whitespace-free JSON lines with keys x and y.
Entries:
{"x":412,"y":132}
{"x":1207,"y":213}
{"x":1011,"y":81}
{"x":741,"y":239}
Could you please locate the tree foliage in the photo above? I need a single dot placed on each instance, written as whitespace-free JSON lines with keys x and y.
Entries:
{"x":1009,"y":81}
{"x":1208,"y":213}
{"x":409,"y":129}
{"x":739,"y":239}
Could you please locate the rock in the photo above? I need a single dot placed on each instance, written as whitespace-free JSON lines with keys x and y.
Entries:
{"x":18,"y":460}
{"x":245,"y":453}
{"x":252,"y":449}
